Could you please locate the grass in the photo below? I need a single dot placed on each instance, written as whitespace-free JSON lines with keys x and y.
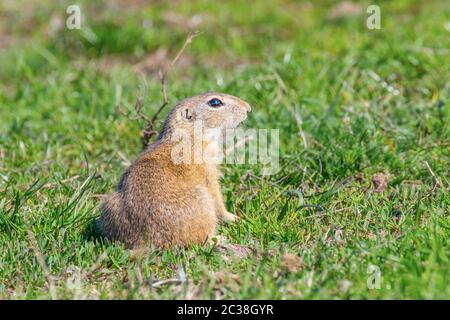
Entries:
{"x":366,"y":101}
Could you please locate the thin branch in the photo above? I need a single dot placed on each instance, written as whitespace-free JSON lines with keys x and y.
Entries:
{"x":149,"y":128}
{"x":148,"y":132}
{"x":137,"y":107}
{"x":168,"y":281}
{"x":163,"y":75}
{"x":437,"y":181}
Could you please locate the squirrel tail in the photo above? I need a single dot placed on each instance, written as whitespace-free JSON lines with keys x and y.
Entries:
{"x":110,"y":222}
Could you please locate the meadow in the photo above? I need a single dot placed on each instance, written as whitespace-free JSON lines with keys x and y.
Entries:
{"x":358,"y":210}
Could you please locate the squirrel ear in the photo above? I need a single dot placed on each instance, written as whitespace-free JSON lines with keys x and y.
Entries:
{"x":187,"y":114}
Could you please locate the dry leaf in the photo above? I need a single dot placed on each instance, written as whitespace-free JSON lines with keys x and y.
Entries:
{"x":345,"y":285}
{"x":380,"y":182}
{"x":225,"y":277}
{"x":291,"y":262}
{"x":237,"y":250}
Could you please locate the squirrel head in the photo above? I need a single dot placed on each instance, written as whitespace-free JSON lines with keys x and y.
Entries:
{"x":212,"y":110}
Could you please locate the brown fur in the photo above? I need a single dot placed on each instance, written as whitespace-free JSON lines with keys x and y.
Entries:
{"x":163,"y":204}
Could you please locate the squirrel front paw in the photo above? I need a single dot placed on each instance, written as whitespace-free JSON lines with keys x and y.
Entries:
{"x":229,"y":217}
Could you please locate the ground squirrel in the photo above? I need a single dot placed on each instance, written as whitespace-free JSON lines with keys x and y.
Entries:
{"x":165,"y":204}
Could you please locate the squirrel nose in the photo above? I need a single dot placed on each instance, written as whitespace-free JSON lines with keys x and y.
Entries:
{"x":247,"y":107}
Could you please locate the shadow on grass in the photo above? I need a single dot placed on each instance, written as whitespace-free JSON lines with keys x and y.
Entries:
{"x":93,"y":233}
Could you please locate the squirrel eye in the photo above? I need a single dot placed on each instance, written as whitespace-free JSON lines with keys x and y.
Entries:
{"x":215,"y":103}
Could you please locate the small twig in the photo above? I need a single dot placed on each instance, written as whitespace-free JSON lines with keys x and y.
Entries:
{"x":149,"y":131}
{"x":41,"y":262}
{"x":437,"y":181}
{"x":100,"y":196}
{"x":163,"y":75}
{"x":125,"y":160}
{"x":318,"y":207}
{"x":168,"y":281}
{"x":137,"y":107}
